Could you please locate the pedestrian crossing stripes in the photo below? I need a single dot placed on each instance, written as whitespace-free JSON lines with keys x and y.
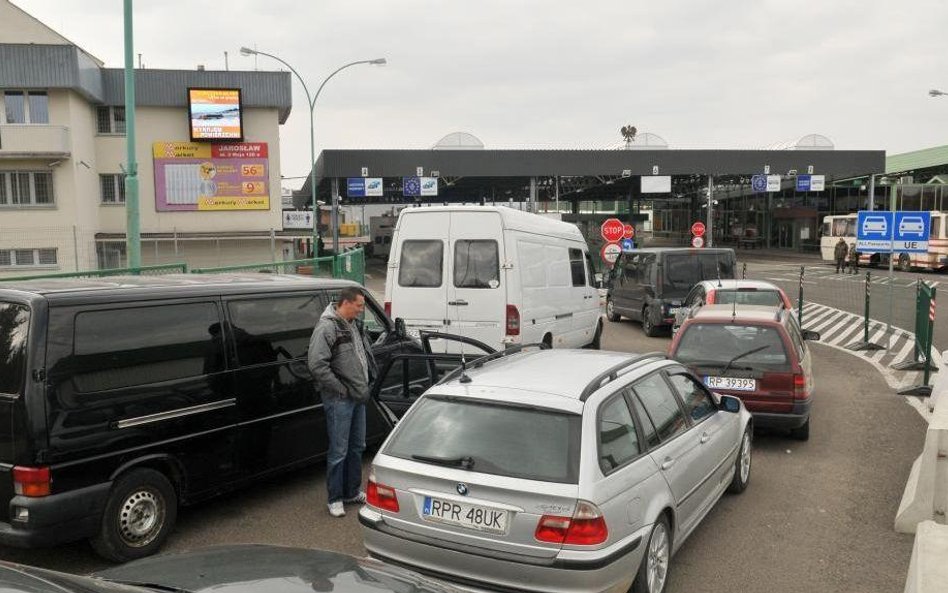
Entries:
{"x":839,"y":329}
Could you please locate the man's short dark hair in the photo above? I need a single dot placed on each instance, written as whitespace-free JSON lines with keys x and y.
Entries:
{"x":349,"y":294}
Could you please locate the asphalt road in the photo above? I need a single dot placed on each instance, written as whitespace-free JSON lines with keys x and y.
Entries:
{"x":817,"y":516}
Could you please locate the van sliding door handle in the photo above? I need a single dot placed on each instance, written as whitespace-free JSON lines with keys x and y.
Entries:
{"x":705,"y":437}
{"x":458,"y":303}
{"x":668,"y":463}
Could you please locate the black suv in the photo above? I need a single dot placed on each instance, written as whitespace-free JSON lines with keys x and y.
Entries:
{"x":122,"y":398}
{"x":650,"y":285}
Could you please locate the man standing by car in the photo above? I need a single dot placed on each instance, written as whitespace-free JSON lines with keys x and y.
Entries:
{"x":840,"y":255}
{"x":340,"y":359}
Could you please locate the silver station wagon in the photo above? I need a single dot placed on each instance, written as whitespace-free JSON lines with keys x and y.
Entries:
{"x":555,"y":471}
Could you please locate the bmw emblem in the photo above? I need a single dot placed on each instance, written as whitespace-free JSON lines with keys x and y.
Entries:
{"x":462,"y":489}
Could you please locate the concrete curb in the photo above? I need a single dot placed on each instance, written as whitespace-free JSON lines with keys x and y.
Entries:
{"x":928,"y":572}
{"x":926,"y":493}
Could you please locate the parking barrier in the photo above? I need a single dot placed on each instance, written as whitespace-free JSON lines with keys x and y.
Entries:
{"x":924,"y":330}
{"x":865,"y":344}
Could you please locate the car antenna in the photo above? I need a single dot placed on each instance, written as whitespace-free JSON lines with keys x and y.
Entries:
{"x":717,"y":267}
{"x":734,"y":308}
{"x":464,"y":378}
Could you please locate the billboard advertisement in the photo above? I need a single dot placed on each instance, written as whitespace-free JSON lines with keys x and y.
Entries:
{"x":361,"y":187}
{"x":206,"y":177}
{"x":215,"y":115}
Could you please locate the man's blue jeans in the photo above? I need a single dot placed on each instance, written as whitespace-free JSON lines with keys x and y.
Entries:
{"x":345,"y":425}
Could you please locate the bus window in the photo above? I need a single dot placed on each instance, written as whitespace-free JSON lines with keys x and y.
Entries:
{"x":936,"y":227}
{"x":840,"y":227}
{"x":827,"y":230}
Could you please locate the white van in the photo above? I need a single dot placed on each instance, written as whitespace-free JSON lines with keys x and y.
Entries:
{"x":494,"y":274}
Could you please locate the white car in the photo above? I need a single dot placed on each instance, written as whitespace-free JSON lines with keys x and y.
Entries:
{"x":912,"y":225}
{"x":874,"y":225}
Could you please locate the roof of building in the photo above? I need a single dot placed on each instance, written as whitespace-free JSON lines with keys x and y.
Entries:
{"x":935,"y":156}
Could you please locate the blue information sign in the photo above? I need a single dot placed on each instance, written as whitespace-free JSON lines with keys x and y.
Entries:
{"x":803,"y":183}
{"x":355,"y":187}
{"x":411,"y":186}
{"x":759,"y":183}
{"x":886,"y":232}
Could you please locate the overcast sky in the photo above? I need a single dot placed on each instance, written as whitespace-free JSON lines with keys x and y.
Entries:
{"x":557,"y":74}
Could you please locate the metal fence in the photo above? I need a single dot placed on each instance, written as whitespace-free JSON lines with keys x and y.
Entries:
{"x":349,"y":265}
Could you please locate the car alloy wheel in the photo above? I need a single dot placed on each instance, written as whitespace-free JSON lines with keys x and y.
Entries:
{"x":657,"y":558}
{"x":745,"y":457}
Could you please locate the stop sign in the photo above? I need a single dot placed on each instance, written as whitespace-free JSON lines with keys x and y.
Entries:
{"x":612,"y":230}
{"x":697,"y":229}
{"x":628,"y":231}
{"x":610,"y":252}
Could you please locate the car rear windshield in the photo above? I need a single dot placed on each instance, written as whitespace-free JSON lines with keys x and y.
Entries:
{"x":747,"y":297}
{"x":681,"y":271}
{"x":491,"y":438}
{"x":716,"y":344}
{"x":14,"y":327}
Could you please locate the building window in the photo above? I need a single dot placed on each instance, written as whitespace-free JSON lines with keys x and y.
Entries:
{"x":113,"y":188}
{"x":26,"y":107}
{"x":26,"y":188}
{"x":110,"y":254}
{"x":29,"y":258}
{"x":110,"y":120}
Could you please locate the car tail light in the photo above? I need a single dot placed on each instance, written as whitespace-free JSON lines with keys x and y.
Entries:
{"x":31,"y":481}
{"x":799,"y":386}
{"x":587,"y":527}
{"x":388,"y":308}
{"x":381,"y":496}
{"x":513,"y":320}
{"x":710,"y":299}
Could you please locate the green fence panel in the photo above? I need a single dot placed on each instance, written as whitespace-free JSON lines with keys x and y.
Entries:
{"x":142,"y":271}
{"x":351,"y":266}
{"x":317,"y":266}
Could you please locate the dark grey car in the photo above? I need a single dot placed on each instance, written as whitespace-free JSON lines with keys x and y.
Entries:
{"x":229,"y":569}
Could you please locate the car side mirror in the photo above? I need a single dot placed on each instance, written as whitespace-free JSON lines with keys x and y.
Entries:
{"x":400,"y":330}
{"x":731,"y":404}
{"x":809,"y":334}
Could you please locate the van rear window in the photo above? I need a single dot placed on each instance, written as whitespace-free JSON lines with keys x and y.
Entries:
{"x":476,"y":264}
{"x":14,"y":327}
{"x":421,"y":264}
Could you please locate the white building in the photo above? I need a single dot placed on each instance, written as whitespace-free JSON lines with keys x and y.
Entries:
{"x":62,"y":153}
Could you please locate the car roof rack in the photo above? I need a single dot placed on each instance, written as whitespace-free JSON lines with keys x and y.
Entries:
{"x":482,"y":360}
{"x":613,"y":373}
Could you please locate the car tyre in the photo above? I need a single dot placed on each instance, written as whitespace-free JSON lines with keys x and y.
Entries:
{"x":802,"y":433}
{"x":647,"y":325}
{"x":139,"y":515}
{"x":742,"y":465}
{"x":653,"y":572}
{"x":611,"y":314}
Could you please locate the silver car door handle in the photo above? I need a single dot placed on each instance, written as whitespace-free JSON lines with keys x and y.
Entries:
{"x":705,"y":437}
{"x":458,"y":303}
{"x":668,"y":463}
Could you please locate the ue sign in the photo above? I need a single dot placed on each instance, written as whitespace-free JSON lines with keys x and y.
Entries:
{"x":911,"y":232}
{"x":902,"y":232}
{"x":612,"y":230}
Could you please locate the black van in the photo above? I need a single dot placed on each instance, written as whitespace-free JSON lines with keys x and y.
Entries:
{"x":650,"y":284}
{"x":122,"y":398}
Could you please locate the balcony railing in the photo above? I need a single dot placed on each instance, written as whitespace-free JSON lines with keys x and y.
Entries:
{"x":34,"y":140}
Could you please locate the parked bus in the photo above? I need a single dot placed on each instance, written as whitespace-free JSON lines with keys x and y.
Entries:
{"x":844,"y":225}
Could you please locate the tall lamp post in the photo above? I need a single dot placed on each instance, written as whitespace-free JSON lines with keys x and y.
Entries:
{"x":311,"y":103}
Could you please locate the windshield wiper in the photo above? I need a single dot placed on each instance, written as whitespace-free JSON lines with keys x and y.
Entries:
{"x":462,"y":462}
{"x":742,"y":355}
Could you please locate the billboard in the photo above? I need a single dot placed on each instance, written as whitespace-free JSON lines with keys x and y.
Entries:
{"x":215,"y":114}
{"x":361,"y":187}
{"x":206,"y":177}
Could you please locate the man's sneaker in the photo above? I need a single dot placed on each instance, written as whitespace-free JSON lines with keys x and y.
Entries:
{"x":336,"y":510}
{"x":357,"y":499}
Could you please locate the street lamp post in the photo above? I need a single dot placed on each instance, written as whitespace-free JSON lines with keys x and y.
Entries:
{"x":311,"y":103}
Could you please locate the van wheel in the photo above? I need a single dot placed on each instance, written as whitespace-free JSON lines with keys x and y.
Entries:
{"x":653,"y":572}
{"x":548,"y":340}
{"x":647,"y":325}
{"x":596,"y":343}
{"x":611,"y":314}
{"x":742,"y":466}
{"x":802,"y":433}
{"x":138,"y":516}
